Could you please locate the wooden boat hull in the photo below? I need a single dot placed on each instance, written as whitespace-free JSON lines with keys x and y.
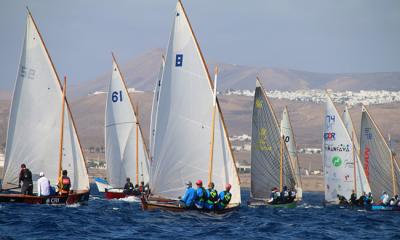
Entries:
{"x":262,"y":203}
{"x":72,"y":198}
{"x":172,"y":205}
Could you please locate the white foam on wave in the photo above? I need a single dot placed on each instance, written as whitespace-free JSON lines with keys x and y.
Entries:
{"x":305,"y":205}
{"x":74,"y":205}
{"x":115,"y":208}
{"x":130,"y":199}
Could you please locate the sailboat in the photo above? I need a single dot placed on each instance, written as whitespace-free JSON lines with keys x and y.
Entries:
{"x":190,"y":138}
{"x":288,"y":137}
{"x":343,"y":171}
{"x":126,"y":152}
{"x":381,"y":167}
{"x":271,"y":163}
{"x":40,"y":117}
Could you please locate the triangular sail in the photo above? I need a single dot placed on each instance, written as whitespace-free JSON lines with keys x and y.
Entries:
{"x":153,"y":118}
{"x":376,"y":158}
{"x":182,"y":138}
{"x":35,"y":120}
{"x":288,"y":136}
{"x":120,"y":135}
{"x":265,"y":149}
{"x":339,"y":157}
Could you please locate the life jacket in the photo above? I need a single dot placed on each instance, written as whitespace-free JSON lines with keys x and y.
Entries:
{"x":227,"y":198}
{"x":65,"y":184}
{"x":213,"y":196}
{"x":202,"y":197}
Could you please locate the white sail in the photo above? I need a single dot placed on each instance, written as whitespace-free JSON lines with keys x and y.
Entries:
{"x":265,"y":149}
{"x":348,"y":123}
{"x":35,"y":120}
{"x":339,"y":157}
{"x":154,"y":108}
{"x":376,"y":158}
{"x":182,"y":138}
{"x":120,"y":135}
{"x":288,"y":136}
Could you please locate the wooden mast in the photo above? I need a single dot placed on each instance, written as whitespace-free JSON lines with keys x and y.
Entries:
{"x":392,"y":167}
{"x":354,"y":162}
{"x":137,"y":144}
{"x":62,"y":131}
{"x":210,"y":166}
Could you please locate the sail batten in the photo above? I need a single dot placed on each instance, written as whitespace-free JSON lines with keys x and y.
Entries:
{"x":183,"y":122}
{"x":265,"y":149}
{"x":35,"y":113}
{"x":122,"y":144}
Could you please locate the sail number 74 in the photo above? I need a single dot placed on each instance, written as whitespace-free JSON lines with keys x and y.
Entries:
{"x":116,"y":96}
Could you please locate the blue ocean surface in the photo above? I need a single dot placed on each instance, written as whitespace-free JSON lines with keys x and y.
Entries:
{"x":118,"y":219}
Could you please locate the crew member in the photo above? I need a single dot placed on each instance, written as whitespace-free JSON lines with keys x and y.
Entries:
{"x":212,"y":197}
{"x":353,"y":197}
{"x":65,"y":184}
{"x":225,"y":197}
{"x":284,"y":194}
{"x":25,"y":176}
{"x":43,"y":185}
{"x":384,"y":199}
{"x":128,"y":188}
{"x":188,"y":199}
{"x":200,"y":195}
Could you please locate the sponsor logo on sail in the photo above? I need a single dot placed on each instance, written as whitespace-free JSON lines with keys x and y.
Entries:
{"x":261,"y":143}
{"x":258,"y":103}
{"x":337,"y":147}
{"x":336,"y":161}
{"x":330,"y":136}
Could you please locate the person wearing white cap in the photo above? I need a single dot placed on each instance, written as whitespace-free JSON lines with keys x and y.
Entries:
{"x":43,"y":185}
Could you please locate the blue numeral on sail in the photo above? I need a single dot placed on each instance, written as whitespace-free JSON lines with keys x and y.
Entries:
{"x":116,"y":96}
{"x":179,"y":60}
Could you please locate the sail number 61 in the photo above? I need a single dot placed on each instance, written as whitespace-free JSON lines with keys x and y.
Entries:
{"x":116,"y":96}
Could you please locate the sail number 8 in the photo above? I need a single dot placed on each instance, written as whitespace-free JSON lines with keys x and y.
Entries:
{"x":116,"y":96}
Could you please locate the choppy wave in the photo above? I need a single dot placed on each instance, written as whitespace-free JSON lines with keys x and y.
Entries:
{"x":103,"y":219}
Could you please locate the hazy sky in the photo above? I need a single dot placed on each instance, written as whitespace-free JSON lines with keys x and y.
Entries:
{"x":313,"y":35}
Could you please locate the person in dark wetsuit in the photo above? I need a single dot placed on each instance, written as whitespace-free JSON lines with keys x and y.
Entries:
{"x":342,"y":200}
{"x":128,"y":188}
{"x":353,"y":198}
{"x":25,"y":176}
{"x":64,"y":186}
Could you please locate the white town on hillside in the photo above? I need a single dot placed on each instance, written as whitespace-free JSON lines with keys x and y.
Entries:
{"x":318,"y":96}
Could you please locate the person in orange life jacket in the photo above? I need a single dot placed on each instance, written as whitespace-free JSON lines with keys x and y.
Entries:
{"x":212,"y":197}
{"x":224,"y":197}
{"x":25,"y":176}
{"x":200,"y":195}
{"x":64,"y":185}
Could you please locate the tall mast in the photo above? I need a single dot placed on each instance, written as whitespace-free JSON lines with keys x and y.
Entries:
{"x":210,"y":166}
{"x":281,"y":161}
{"x":392,"y":166}
{"x":62,"y":129}
{"x":354,"y":162}
{"x":137,"y":144}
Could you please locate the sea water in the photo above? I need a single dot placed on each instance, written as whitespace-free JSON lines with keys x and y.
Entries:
{"x":117,"y":219}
